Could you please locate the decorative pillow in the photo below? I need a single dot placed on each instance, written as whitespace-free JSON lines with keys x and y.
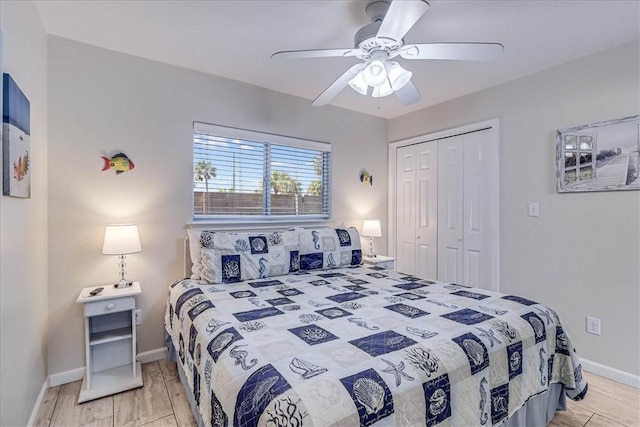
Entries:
{"x":234,"y":257}
{"x":329,"y":248}
{"x":195,"y":252}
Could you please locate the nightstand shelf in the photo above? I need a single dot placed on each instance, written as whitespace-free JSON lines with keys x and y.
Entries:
{"x":380,"y":261}
{"x":110,"y":336}
{"x":110,"y":342}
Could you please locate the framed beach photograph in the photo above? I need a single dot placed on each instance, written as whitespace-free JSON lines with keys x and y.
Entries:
{"x":601,"y":156}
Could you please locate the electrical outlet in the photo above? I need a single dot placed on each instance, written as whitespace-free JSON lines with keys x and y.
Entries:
{"x":534,"y":209}
{"x":593,"y":325}
{"x":138,"y":315}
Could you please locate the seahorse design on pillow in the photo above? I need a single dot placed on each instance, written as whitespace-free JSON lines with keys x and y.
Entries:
{"x":262,"y":271}
{"x":315,"y":239}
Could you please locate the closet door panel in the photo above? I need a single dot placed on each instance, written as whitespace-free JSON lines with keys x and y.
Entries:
{"x":406,"y":209}
{"x":476,"y":233}
{"x":427,"y":211}
{"x":450,"y":209}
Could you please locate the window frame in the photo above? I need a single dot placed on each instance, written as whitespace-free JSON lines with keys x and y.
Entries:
{"x":268,"y":139}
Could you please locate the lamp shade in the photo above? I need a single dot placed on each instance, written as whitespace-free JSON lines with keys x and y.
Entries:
{"x":398,"y":76}
{"x":359,"y":84}
{"x":121,"y":239}
{"x":375,"y":74}
{"x":371,"y":228}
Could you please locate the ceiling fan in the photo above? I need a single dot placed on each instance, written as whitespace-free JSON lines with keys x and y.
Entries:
{"x":379,"y":42}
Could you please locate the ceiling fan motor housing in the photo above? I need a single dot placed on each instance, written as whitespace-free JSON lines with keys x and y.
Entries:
{"x":367,"y":38}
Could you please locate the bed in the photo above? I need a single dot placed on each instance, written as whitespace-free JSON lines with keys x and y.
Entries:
{"x":334,"y":342}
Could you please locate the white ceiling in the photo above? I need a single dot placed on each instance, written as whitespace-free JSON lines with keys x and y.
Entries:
{"x":235,"y":39}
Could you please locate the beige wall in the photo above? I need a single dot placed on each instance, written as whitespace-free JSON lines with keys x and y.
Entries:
{"x":582,"y":255}
{"x":102,"y":102}
{"x":23,"y":227}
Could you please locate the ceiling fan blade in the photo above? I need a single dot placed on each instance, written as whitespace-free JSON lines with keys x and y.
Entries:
{"x":315,"y":53}
{"x":400,"y":17}
{"x":454,"y":51}
{"x":408,"y":94}
{"x":337,"y":86}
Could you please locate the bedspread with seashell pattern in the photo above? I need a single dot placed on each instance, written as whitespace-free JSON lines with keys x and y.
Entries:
{"x":364,"y":346}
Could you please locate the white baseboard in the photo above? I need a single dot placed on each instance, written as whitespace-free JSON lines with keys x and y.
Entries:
{"x":66,"y":377}
{"x":78,"y":373}
{"x":152,"y":355}
{"x":36,"y":407}
{"x":611,"y":373}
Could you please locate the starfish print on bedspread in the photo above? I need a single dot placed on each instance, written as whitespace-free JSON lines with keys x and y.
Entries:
{"x":490,"y":335}
{"x":397,"y":371}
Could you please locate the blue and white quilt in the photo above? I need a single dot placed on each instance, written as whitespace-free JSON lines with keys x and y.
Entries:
{"x":364,"y":346}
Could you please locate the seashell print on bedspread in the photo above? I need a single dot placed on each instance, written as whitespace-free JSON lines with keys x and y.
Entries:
{"x":352,"y":346}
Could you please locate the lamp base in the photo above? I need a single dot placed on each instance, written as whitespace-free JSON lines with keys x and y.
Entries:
{"x":371,"y":254}
{"x":123,"y":284}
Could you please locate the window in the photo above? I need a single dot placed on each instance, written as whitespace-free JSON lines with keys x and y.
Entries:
{"x":245,"y":174}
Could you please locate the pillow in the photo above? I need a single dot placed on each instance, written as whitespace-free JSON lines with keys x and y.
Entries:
{"x":234,"y":257}
{"x":195,"y":252}
{"x":329,"y":248}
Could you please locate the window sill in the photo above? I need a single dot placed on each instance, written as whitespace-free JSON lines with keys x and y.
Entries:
{"x":257,"y":223}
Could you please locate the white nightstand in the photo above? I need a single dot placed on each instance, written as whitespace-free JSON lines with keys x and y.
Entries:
{"x":380,"y":261}
{"x":110,"y":341}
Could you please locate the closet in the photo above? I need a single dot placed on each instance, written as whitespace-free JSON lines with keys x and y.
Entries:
{"x":446,"y":207}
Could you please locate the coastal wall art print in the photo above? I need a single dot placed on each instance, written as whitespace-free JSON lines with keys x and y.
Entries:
{"x":1,"y":85}
{"x":602,"y":156}
{"x":16,"y":131}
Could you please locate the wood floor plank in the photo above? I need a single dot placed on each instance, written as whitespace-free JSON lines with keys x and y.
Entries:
{"x":612,"y":400}
{"x":169,"y":421}
{"x":104,"y":422}
{"x":145,"y":404}
{"x":181,"y":407}
{"x":150,"y":366}
{"x":600,"y":421}
{"x":68,"y":412}
{"x":169,"y":370}
{"x":45,"y":412}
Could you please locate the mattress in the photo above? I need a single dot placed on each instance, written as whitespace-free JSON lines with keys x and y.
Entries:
{"x":364,"y":346}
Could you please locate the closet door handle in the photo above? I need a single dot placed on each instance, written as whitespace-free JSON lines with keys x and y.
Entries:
{"x":459,"y":239}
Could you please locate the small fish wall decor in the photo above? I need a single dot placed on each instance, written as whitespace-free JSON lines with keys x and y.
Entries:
{"x":366,"y":177}
{"x":118,"y":162}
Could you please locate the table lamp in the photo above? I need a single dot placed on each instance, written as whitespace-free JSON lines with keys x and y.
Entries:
{"x":371,"y":229}
{"x":121,"y":239}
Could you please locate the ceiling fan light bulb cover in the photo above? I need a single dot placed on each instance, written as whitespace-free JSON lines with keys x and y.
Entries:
{"x":358,"y":84}
{"x":383,"y":90}
{"x":375,"y":73}
{"x":398,"y":76}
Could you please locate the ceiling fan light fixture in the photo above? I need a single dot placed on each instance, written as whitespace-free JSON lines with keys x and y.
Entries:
{"x":383,"y":90}
{"x":375,"y":73}
{"x":398,"y":76}
{"x":358,"y":84}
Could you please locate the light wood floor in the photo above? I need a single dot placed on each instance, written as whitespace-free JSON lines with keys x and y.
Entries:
{"x":162,"y":403}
